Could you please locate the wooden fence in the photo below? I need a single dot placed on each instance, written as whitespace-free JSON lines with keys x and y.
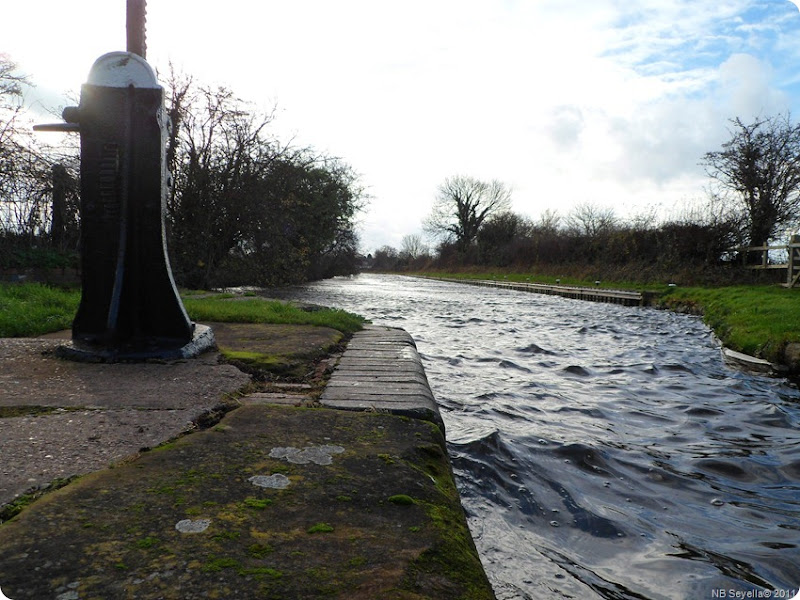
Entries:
{"x":792,"y":264}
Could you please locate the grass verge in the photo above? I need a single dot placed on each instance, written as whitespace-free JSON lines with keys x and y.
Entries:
{"x":255,"y":310}
{"x":756,"y":320}
{"x":547,"y":280}
{"x":31,"y":309}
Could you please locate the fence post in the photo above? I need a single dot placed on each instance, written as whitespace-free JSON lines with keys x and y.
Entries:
{"x":58,"y":220}
{"x":794,"y":257}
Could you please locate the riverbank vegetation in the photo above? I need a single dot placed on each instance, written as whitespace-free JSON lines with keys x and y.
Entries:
{"x":591,"y":243}
{"x":32,"y":309}
{"x":753,"y":199}
{"x":243,"y":207}
{"x":756,"y":320}
{"x":246,"y":208}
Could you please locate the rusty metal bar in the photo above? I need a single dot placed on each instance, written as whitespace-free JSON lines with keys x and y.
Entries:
{"x":135,"y":25}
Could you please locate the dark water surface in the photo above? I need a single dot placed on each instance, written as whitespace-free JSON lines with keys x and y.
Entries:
{"x":601,"y":451}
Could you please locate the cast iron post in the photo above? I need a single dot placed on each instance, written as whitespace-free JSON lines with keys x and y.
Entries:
{"x":129,"y":298}
{"x":130,"y":308}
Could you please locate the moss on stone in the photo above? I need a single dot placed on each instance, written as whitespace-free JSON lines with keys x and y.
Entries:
{"x":320,"y":528}
{"x":334,"y":532}
{"x":257,"y":503}
{"x":401,"y":499}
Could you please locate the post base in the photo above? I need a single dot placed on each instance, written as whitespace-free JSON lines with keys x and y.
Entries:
{"x":202,"y":341}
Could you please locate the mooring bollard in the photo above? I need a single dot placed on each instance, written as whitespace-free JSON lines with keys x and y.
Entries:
{"x":130,"y":307}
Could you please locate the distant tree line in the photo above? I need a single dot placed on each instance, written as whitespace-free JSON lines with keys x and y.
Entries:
{"x":589,"y":242}
{"x":243,"y":207}
{"x":754,"y":199}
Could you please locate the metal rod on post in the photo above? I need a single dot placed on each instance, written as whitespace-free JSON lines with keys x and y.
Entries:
{"x":135,"y":24}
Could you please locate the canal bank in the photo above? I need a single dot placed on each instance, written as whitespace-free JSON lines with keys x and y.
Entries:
{"x":289,"y":495}
{"x":624,"y":297}
{"x":777,"y":357}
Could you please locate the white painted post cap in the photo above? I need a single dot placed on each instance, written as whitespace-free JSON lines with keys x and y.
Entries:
{"x":121,"y":69}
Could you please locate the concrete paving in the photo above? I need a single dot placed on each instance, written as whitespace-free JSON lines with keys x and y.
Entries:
{"x":62,"y":418}
{"x":274,"y":501}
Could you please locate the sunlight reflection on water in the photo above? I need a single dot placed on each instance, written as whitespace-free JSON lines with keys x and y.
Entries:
{"x":601,"y":451}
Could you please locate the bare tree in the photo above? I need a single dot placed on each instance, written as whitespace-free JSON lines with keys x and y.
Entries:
{"x":245,"y":207}
{"x":643,"y":220}
{"x":11,"y":82}
{"x":218,"y":150}
{"x":760,"y":167}
{"x":386,"y":259}
{"x":591,"y":220}
{"x":461,"y":207}
{"x":549,"y":221}
{"x":10,"y":150}
{"x":25,"y":169}
{"x":412,"y":246}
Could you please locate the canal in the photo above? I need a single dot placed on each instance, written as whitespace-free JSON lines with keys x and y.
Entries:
{"x":601,"y":451}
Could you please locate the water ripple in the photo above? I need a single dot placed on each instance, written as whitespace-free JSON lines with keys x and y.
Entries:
{"x":601,"y":451}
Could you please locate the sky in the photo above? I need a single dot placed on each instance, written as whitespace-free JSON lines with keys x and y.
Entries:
{"x":568,"y":102}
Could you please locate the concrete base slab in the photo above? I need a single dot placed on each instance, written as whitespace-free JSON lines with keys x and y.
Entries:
{"x":202,"y":340}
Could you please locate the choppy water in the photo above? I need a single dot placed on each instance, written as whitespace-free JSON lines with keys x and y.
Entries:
{"x":601,"y":451}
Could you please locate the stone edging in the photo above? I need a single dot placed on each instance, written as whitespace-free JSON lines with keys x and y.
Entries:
{"x":381,"y":371}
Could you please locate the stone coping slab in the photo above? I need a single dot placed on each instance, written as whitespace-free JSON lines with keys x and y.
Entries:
{"x":273,"y":502}
{"x":381,"y":371}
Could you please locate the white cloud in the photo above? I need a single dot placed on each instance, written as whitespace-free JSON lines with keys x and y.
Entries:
{"x":565,"y":100}
{"x":566,"y":123}
{"x":748,"y":89}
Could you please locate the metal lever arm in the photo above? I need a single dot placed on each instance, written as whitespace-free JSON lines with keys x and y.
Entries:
{"x":58,"y":127}
{"x":71,"y":115}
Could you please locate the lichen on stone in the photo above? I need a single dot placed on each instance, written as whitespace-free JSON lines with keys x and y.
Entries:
{"x":320,"y":455}
{"x":189,"y":526}
{"x":278,"y":481}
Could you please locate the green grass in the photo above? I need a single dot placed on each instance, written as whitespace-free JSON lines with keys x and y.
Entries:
{"x":756,"y":320}
{"x":31,"y":309}
{"x":268,"y":311}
